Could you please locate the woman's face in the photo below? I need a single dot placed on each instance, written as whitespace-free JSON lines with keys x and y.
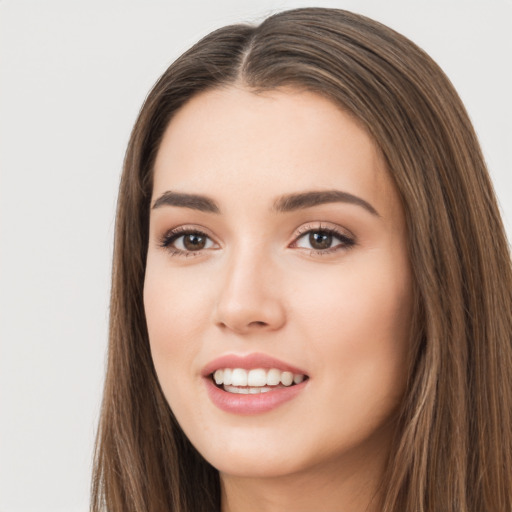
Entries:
{"x":277,"y":252}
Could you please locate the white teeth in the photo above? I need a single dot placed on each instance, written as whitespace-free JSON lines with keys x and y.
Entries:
{"x":228,"y":376}
{"x":287,"y":378}
{"x":239,"y":377}
{"x":273,"y":377}
{"x":297,"y":378}
{"x":218,"y":377}
{"x":256,"y":380}
{"x":246,"y":391}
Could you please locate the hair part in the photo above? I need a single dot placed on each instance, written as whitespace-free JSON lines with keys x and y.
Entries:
{"x":453,"y":448}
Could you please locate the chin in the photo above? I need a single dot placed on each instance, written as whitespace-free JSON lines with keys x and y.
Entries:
{"x":252,"y":466}
{"x":251,"y":457}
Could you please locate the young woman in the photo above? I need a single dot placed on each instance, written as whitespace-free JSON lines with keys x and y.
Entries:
{"x":311,"y":303}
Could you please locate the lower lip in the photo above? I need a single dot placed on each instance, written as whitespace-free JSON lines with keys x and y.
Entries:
{"x":251,"y":404}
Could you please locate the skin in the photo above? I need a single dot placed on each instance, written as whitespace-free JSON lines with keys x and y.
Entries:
{"x":342,"y":314}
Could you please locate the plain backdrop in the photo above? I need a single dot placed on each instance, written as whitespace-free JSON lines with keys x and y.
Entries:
{"x":73,"y":75}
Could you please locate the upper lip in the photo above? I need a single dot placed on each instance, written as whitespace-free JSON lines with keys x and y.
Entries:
{"x":249,"y":362}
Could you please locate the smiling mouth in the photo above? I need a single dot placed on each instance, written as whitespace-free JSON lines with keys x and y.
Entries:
{"x":255,"y":381}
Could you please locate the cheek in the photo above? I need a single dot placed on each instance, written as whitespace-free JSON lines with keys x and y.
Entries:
{"x":170,"y":330}
{"x":174,"y":301}
{"x":174,"y":316}
{"x":364,"y":298}
{"x":359,"y":322}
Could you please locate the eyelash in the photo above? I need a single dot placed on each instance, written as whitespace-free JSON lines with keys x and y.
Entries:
{"x":345,"y":241}
{"x":172,"y":235}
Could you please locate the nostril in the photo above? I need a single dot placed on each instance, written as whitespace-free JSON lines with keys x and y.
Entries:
{"x":258,"y":324}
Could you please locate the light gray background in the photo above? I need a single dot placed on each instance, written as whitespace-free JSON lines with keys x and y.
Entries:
{"x":73,"y":75}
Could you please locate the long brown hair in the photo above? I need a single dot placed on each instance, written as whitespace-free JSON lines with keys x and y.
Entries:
{"x":453,"y":448}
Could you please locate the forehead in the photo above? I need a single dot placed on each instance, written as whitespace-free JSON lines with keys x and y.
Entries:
{"x":264,"y":145}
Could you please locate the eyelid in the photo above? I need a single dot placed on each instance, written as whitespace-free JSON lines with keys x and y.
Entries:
{"x":323,"y":226}
{"x":170,"y":235}
{"x":346,"y":237}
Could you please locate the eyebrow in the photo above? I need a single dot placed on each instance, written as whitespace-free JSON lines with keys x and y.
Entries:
{"x":292,"y":202}
{"x":192,"y":201}
{"x":284,"y":204}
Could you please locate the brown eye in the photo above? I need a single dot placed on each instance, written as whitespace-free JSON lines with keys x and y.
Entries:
{"x":194,"y":242}
{"x":183,"y":242}
{"x":323,"y":240}
{"x":320,"y":240}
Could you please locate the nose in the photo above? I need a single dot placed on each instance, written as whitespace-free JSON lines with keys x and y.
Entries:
{"x":250,"y":298}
